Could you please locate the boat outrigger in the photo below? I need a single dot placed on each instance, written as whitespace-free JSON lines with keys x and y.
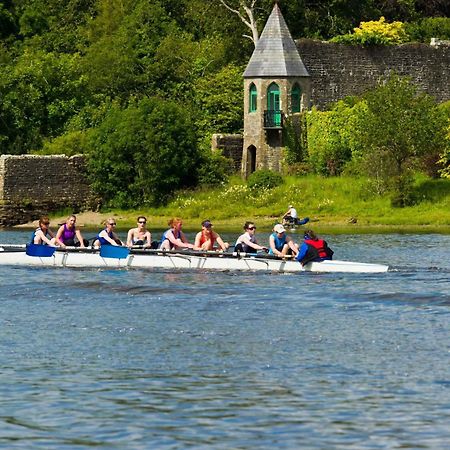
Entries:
{"x":122,"y":257}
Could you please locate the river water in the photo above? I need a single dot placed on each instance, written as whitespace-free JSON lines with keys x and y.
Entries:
{"x":136,"y":359}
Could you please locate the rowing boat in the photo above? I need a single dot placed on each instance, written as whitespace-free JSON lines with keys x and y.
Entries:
{"x":119,"y":257}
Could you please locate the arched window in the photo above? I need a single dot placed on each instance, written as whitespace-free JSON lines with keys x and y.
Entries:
{"x":253,"y":98}
{"x":296,"y":95}
{"x":273,"y":115}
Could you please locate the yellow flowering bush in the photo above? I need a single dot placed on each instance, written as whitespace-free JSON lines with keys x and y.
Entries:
{"x":375,"y":32}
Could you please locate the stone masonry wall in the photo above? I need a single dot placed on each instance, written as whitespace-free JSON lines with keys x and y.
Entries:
{"x":339,"y":70}
{"x":32,"y":185}
{"x":230,"y":146}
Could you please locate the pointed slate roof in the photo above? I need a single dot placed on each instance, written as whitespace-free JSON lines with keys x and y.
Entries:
{"x":275,"y":54}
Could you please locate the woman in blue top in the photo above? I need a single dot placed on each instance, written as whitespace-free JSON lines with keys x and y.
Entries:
{"x":174,"y":238}
{"x":280,"y":244}
{"x":43,"y":235}
{"x":107,"y":236}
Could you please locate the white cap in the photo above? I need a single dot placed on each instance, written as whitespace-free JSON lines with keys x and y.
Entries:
{"x":278,"y":228}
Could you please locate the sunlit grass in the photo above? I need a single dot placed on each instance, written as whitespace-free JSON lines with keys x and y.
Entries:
{"x":330,"y":203}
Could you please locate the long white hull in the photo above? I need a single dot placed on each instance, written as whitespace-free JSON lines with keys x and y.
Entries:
{"x":173,"y":260}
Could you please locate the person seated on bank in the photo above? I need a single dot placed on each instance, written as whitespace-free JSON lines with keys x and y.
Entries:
{"x":140,"y":236}
{"x":247,"y":242}
{"x":313,"y":249}
{"x":107,"y":236}
{"x":174,"y":238}
{"x":206,"y":239}
{"x":43,"y":235}
{"x":290,"y":214}
{"x":69,"y":236}
{"x":280,"y":244}
{"x":291,"y":217}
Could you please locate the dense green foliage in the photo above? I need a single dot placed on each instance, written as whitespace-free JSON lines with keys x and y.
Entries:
{"x":399,"y":128}
{"x":101,"y":77}
{"x":295,"y":132}
{"x":427,"y":28}
{"x":264,"y":179}
{"x":387,"y":134}
{"x":143,"y":153}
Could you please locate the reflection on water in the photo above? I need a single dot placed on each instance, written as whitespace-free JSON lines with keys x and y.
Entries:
{"x":151,"y":359}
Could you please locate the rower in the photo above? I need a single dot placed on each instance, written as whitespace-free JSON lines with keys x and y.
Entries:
{"x":313,"y":249}
{"x":69,"y":235}
{"x":107,"y":236}
{"x":205,"y":239}
{"x":43,"y":235}
{"x":247,"y":242}
{"x":280,"y":243}
{"x":140,"y":236}
{"x":174,"y":238}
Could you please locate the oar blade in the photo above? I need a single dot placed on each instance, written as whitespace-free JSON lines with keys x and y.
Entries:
{"x":41,"y":251}
{"x":113,"y":251}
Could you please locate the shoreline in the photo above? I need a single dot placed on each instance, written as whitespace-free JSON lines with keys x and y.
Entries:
{"x":94,"y":220}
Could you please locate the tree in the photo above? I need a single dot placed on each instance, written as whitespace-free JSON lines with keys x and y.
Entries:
{"x":7,"y":22}
{"x":39,"y":93}
{"x":245,"y":10}
{"x":143,"y":153}
{"x":398,"y":128}
{"x":121,"y":44}
{"x":219,"y":101}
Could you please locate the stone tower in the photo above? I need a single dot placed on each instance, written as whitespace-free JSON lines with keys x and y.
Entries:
{"x":276,"y":86}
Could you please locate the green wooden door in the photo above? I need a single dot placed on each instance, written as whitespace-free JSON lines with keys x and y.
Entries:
{"x":273,"y":104}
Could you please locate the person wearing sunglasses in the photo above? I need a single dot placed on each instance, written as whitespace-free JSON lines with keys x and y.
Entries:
{"x":107,"y":236}
{"x":140,"y":236}
{"x":43,"y":235}
{"x":174,"y":238}
{"x":247,"y":242}
{"x":207,"y":238}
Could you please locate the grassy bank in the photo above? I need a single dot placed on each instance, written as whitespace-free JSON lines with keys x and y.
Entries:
{"x":329,"y":202}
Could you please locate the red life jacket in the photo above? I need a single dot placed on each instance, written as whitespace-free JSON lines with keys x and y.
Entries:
{"x":320,"y":245}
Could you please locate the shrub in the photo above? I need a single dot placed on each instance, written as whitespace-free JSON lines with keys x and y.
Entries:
{"x":71,"y":143}
{"x":376,"y":32}
{"x":403,"y":191}
{"x":397,"y":130}
{"x":264,"y":179}
{"x":297,"y":169}
{"x":142,"y":154}
{"x":214,"y":169}
{"x":427,"y":28}
{"x":331,"y":138}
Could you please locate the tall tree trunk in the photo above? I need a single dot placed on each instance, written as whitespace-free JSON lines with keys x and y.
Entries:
{"x":246,"y":12}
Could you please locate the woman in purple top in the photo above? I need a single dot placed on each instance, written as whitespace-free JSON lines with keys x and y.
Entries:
{"x":67,"y":233}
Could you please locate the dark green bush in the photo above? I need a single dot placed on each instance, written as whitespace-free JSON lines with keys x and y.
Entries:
{"x":403,"y":191}
{"x":425,"y":29}
{"x":214,"y":169}
{"x":142,"y":154}
{"x":297,"y":169}
{"x":264,"y":179}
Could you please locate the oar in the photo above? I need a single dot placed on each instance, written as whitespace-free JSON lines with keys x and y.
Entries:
{"x":114,"y":251}
{"x":13,"y":245}
{"x":209,"y":253}
{"x":42,"y":251}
